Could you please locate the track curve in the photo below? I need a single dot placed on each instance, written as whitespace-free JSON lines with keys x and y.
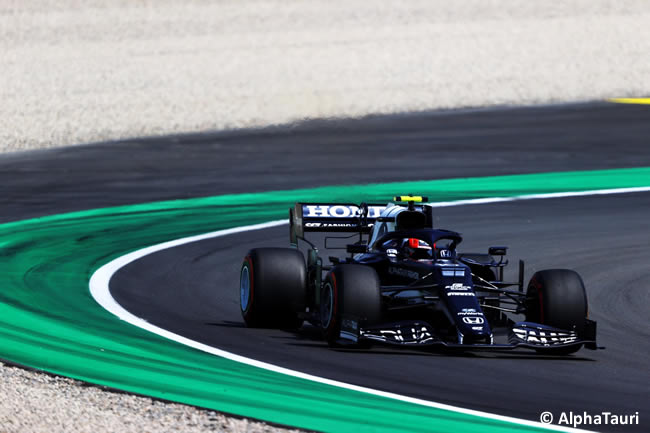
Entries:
{"x":580,"y":231}
{"x":514,"y":384}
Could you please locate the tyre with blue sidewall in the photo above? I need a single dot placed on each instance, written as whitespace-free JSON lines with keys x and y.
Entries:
{"x":273,"y":287}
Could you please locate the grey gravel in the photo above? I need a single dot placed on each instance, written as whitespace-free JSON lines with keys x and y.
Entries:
{"x":79,"y":71}
{"x":35,"y":403}
{"x":76,"y":71}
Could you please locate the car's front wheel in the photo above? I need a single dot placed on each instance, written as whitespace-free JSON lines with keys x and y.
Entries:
{"x":557,"y":297}
{"x":349,"y":292}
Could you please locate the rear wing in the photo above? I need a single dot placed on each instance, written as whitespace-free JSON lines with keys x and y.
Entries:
{"x":332,"y":217}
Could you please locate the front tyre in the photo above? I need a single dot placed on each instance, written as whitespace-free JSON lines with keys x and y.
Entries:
{"x":557,"y":297}
{"x":353,"y":292}
{"x":272,"y":288}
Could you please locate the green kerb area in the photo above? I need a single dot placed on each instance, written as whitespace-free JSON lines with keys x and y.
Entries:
{"x":49,"y":321}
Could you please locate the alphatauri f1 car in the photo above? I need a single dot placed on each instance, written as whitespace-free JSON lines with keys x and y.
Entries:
{"x":404,"y":283}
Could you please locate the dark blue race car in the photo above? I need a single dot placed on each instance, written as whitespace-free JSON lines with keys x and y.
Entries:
{"x":404,"y":283}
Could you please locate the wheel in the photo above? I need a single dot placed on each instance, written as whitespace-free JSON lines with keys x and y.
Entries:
{"x":273,"y":288}
{"x":352,"y":291}
{"x":557,"y":297}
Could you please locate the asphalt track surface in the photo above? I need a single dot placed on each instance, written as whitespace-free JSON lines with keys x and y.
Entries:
{"x":376,"y":149}
{"x":193,"y":290}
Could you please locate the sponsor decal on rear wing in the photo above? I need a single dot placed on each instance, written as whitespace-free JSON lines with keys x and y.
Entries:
{"x":332,"y":217}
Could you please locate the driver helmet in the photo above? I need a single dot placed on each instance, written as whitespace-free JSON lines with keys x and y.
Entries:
{"x":416,"y":248}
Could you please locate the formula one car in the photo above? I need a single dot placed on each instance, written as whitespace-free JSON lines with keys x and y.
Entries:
{"x":404,"y":283}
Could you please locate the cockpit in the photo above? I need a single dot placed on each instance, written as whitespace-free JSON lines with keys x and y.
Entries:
{"x":405,"y":233}
{"x":418,"y":249}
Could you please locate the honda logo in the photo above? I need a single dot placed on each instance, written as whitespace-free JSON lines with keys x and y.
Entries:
{"x":474,"y":320}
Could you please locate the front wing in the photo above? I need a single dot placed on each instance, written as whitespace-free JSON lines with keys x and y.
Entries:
{"x":419,"y":334}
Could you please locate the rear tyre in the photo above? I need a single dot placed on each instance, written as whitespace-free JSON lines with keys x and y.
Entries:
{"x":557,"y":297}
{"x":272,"y":288}
{"x":353,"y":292}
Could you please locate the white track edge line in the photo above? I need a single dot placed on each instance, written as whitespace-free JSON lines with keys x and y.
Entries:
{"x":100,"y":291}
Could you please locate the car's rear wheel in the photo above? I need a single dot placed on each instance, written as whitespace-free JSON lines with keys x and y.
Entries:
{"x":273,"y":287}
{"x":351,"y":292}
{"x":557,"y":297}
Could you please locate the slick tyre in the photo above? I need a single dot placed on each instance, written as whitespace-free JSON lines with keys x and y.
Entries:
{"x":273,"y":288}
{"x":557,"y":297}
{"x":351,"y":292}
